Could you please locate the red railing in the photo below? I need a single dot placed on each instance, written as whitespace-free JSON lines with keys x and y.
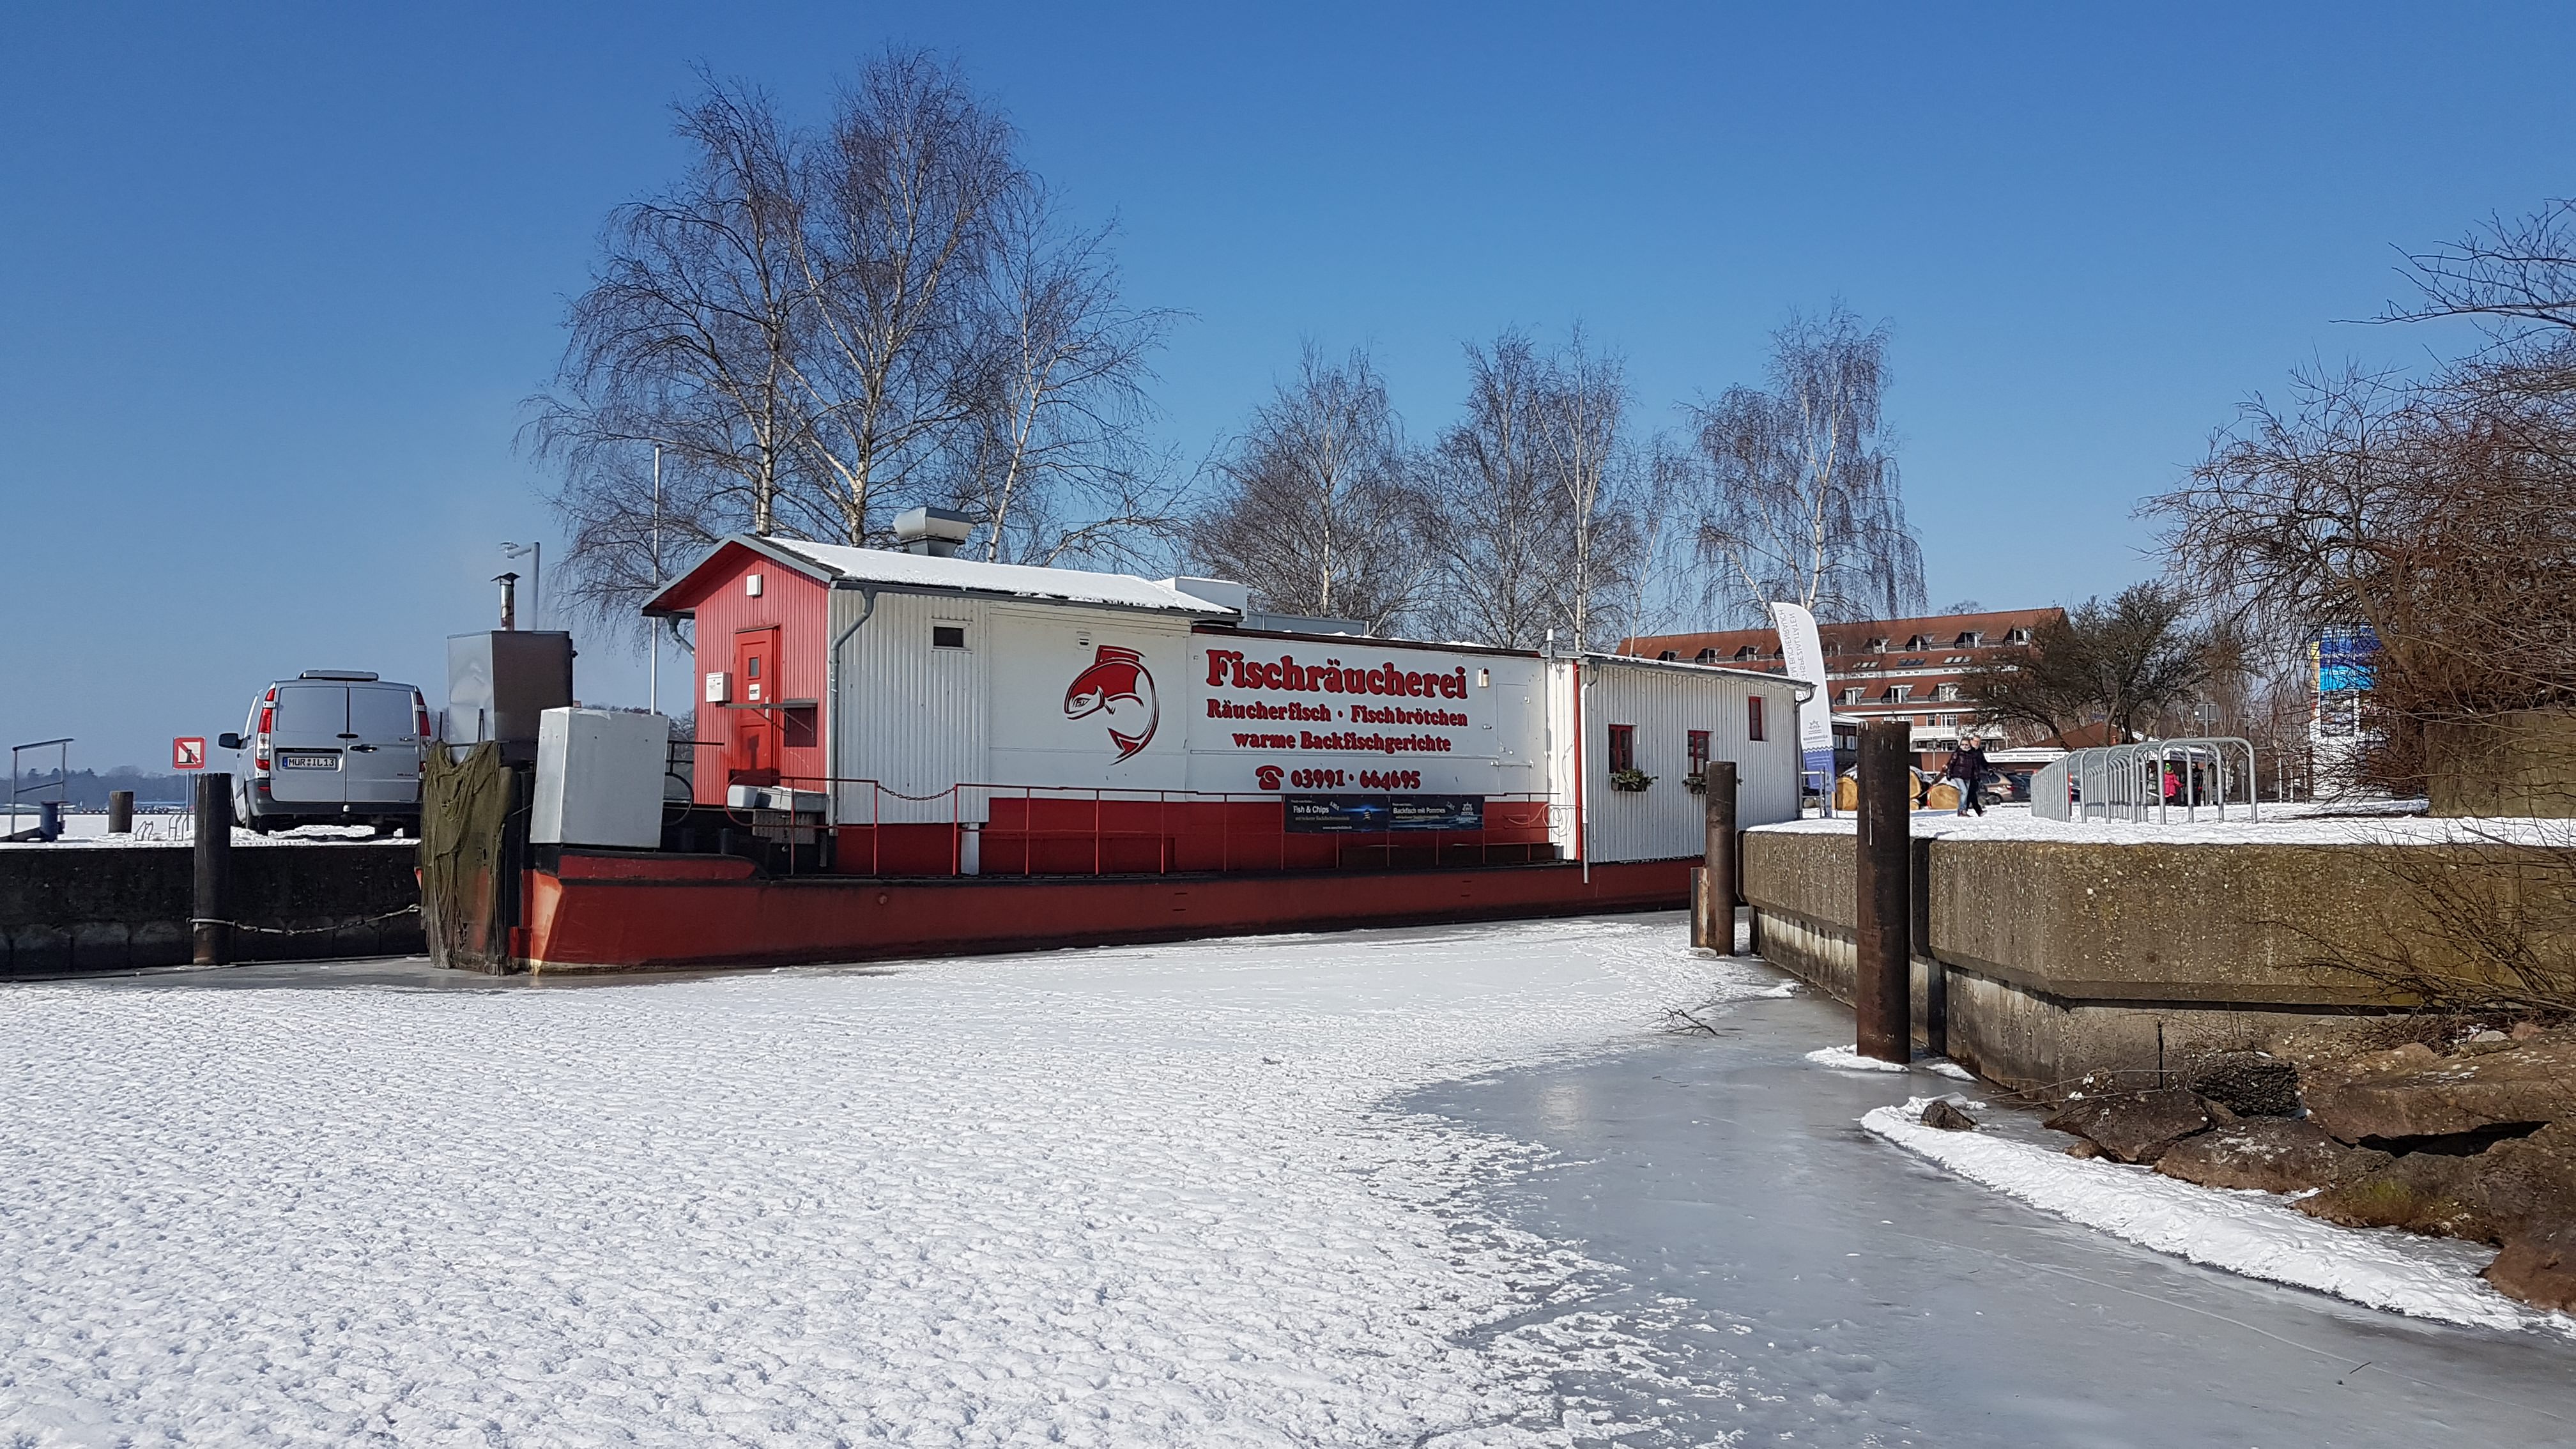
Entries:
{"x":1067,"y":830}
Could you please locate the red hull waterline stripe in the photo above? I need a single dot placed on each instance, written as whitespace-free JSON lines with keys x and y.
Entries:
{"x":642,"y":913}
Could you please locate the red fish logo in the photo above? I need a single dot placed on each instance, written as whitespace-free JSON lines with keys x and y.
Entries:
{"x":1118,"y":685}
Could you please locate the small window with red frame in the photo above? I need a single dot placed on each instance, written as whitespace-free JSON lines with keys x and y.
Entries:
{"x":1698,"y":751}
{"x":1753,"y":717}
{"x":1623,"y":748}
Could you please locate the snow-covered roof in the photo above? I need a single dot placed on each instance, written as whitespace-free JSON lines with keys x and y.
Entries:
{"x":837,"y":563}
{"x":1752,"y":676}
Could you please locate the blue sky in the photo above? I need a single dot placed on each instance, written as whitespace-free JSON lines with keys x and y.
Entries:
{"x":274,"y":281}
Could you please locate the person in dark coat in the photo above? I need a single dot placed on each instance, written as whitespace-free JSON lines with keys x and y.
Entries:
{"x":1968,"y":767}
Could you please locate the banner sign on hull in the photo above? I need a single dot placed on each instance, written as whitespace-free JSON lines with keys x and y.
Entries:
{"x":1369,"y":814}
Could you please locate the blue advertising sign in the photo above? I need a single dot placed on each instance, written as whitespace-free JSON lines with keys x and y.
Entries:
{"x":1354,"y":814}
{"x":2345,"y":660}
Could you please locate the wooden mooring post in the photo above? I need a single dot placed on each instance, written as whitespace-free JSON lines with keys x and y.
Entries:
{"x":1881,"y":978}
{"x":210,"y":909}
{"x":1713,"y":900}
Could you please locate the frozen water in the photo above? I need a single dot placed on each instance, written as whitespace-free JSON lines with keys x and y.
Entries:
{"x":1132,"y":1197}
{"x":1779,"y":1275}
{"x":2255,"y":1233}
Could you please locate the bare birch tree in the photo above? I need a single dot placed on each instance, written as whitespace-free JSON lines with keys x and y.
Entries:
{"x":688,"y":338}
{"x":1054,"y":464}
{"x":1499,"y":549}
{"x":906,"y":195}
{"x":1588,"y":459}
{"x":1798,"y":496}
{"x":1538,"y":499}
{"x":1317,"y":507}
{"x":819,"y":327}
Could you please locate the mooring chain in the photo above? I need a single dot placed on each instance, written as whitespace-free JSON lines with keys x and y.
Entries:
{"x":303,"y":930}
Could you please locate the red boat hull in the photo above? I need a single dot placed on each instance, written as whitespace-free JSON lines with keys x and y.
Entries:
{"x":664,"y":912}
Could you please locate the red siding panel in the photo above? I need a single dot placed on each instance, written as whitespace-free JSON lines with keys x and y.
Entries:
{"x":799,"y":607}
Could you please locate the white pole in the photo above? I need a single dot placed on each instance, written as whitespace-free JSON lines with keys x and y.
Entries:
{"x":652,"y":627}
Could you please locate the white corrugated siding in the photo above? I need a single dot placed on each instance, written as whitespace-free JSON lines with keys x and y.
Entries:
{"x":1663,"y":703}
{"x":911,"y":717}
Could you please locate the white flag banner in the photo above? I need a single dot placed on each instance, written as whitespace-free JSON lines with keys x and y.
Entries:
{"x":1803,"y":653}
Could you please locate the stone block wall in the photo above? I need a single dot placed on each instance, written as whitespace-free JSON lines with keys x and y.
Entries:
{"x":72,"y":909}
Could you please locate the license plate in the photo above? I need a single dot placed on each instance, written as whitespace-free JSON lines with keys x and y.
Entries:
{"x":311,"y":762}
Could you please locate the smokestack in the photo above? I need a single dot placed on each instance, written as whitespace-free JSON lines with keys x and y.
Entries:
{"x":509,"y":600}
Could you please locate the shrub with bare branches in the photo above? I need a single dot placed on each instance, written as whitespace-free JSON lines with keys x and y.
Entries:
{"x":2438,"y":512}
{"x":2435,"y":512}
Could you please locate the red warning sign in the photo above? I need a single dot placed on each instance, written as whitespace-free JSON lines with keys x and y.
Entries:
{"x":188,"y":753}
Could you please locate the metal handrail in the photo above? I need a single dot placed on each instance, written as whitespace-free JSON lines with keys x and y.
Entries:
{"x":1100,"y":832}
{"x":62,"y":782}
{"x":2126,"y":782}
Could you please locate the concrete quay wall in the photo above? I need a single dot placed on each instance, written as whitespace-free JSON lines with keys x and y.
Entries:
{"x":2057,"y":958}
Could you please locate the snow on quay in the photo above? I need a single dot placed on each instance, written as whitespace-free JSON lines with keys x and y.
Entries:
{"x":2399,"y":822}
{"x":1127,"y":1197}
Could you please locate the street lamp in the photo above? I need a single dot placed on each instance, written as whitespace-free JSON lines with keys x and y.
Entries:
{"x":534,"y":553}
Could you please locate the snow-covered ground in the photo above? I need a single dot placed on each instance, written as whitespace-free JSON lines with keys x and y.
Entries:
{"x":163,"y":829}
{"x":2393,"y":823}
{"x":1131,"y":1197}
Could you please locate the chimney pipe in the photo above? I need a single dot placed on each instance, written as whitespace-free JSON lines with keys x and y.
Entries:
{"x":509,"y":600}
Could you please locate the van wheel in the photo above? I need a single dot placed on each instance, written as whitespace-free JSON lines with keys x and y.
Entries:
{"x":387,"y":827}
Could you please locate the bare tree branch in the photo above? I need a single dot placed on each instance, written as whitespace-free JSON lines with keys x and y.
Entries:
{"x":1799,"y":500}
{"x":1318,"y":503}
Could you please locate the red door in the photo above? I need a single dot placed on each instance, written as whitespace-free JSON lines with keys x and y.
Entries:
{"x":753,"y":757}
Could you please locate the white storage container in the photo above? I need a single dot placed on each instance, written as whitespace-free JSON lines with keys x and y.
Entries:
{"x":599,"y":778}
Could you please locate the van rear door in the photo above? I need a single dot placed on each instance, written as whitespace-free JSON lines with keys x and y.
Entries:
{"x":383,"y":763}
{"x":306,"y":745}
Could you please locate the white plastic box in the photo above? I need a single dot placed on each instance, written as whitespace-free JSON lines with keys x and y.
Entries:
{"x":599,"y":778}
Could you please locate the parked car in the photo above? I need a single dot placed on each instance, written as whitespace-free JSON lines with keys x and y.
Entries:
{"x":332,"y":747}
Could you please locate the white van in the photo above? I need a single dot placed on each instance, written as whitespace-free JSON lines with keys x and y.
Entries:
{"x":332,"y":747}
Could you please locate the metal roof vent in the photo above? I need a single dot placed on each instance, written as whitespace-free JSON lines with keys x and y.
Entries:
{"x":933,"y":532}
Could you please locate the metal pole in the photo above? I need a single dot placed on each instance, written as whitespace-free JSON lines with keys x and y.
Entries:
{"x":1881,"y":981}
{"x":1713,"y":914}
{"x":210,"y":906}
{"x":652,"y":627}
